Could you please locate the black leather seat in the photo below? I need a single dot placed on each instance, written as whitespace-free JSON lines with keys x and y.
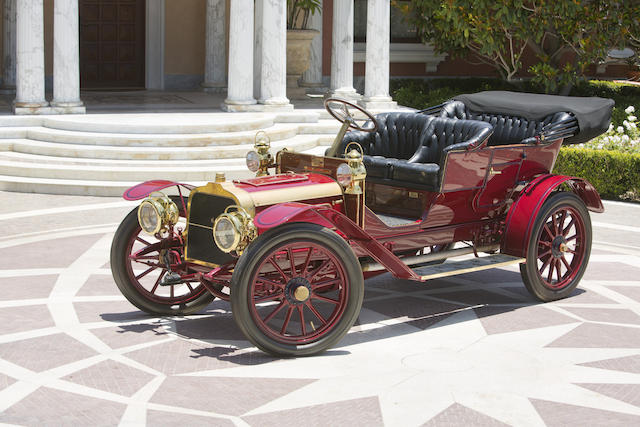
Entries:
{"x":506,"y":129}
{"x":408,"y":149}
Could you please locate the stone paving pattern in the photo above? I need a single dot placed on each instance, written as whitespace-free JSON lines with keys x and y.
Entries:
{"x":468,"y":350}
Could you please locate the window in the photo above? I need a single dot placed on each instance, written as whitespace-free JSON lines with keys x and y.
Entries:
{"x":401,"y":32}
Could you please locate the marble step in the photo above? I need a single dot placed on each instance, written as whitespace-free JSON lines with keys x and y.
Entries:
{"x":192,"y":123}
{"x":54,"y":149}
{"x":276,"y":132}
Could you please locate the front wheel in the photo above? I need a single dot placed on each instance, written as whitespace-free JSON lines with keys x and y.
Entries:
{"x":559,"y":248}
{"x":138,"y":269}
{"x":297,"y":290}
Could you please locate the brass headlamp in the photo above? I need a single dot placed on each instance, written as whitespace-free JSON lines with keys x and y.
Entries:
{"x":358,"y":171}
{"x":157,"y":213}
{"x":234,"y":230}
{"x":260,"y":160}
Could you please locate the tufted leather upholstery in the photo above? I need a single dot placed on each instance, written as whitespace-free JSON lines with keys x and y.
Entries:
{"x":506,"y":129}
{"x":411,"y":148}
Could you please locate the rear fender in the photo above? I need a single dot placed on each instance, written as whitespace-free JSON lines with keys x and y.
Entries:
{"x":142,"y":190}
{"x":524,"y":211}
{"x":326,"y":216}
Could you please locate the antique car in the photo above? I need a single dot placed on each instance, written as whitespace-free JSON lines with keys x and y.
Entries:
{"x":399,"y":192}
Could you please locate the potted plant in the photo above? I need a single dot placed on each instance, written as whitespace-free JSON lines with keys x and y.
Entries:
{"x":299,"y":39}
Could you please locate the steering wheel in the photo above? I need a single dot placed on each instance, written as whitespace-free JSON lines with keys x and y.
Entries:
{"x":339,"y":110}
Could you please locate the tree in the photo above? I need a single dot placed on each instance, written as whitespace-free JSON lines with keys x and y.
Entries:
{"x":492,"y":31}
{"x":566,"y":36}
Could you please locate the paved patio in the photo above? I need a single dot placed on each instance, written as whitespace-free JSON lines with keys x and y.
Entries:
{"x":469,"y":350}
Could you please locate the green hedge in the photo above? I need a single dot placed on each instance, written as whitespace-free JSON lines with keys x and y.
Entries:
{"x":614,"y":174}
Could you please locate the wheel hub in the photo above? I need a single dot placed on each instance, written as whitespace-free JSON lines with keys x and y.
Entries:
{"x":559,"y":246}
{"x":298,"y":290}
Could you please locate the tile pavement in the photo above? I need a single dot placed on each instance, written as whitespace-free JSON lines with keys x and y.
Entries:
{"x":469,"y":350}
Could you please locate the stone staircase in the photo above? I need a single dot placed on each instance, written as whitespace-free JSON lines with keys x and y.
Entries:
{"x":103,"y":154}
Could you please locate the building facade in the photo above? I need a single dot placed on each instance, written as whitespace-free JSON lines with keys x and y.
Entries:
{"x":232,"y":46}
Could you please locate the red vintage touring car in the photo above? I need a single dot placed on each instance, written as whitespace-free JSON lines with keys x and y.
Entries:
{"x":401,"y":192}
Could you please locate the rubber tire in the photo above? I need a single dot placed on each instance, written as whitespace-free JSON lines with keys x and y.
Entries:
{"x":251,"y":258}
{"x":119,"y":271}
{"x":528,"y":270}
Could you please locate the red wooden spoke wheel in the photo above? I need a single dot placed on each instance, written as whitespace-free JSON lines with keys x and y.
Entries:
{"x":559,"y":248}
{"x":137,"y":264}
{"x":297,"y":290}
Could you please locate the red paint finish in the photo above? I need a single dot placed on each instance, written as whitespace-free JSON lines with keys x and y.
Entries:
{"x":142,"y":190}
{"x":276,"y":215}
{"x":522,"y":214}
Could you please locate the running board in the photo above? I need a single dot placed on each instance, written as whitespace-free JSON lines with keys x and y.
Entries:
{"x":452,"y":268}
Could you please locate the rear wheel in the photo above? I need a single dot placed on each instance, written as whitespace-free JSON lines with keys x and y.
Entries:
{"x":297,"y":290}
{"x":138,"y":268}
{"x":559,"y":248}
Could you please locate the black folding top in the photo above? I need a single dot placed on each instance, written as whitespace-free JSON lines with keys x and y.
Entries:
{"x":593,"y":114}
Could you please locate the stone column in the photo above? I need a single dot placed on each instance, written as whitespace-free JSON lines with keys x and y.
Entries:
{"x":313,"y":76}
{"x":257,"y":48}
{"x":30,"y":58}
{"x":240,"y":80}
{"x":9,"y":48}
{"x":376,"y":83}
{"x":342,"y":50}
{"x":66,"y":58}
{"x":273,"y":74}
{"x":215,"y":68}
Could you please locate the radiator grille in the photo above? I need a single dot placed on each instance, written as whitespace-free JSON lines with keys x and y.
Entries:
{"x":200,"y":244}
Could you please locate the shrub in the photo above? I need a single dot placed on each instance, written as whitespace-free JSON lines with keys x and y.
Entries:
{"x":613,"y":174}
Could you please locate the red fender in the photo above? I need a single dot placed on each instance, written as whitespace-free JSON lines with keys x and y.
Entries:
{"x":524,"y":211}
{"x":142,"y":190}
{"x":326,"y":216}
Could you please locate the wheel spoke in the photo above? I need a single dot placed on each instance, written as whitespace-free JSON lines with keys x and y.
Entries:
{"x":551,"y":267}
{"x":554,"y":224}
{"x":268,"y":298}
{"x":545,"y":243}
{"x":325,"y":299}
{"x":286,"y":320}
{"x":574,"y":237}
{"x":317,"y":270}
{"x":172,"y":291}
{"x":329,"y":282}
{"x":144,"y":273}
{"x":274,"y":263}
{"x":155,"y":285}
{"x":546,"y":228}
{"x":189,"y":286}
{"x":566,"y":264}
{"x":316,"y":313}
{"x":306,"y":262}
{"x":563,"y":216}
{"x":270,"y":282}
{"x":545,"y":264}
{"x":275,"y":311}
{"x":558,"y":267}
{"x":568,"y":227}
{"x":292,"y":262}
{"x":302,"y":325}
{"x":544,"y":254}
{"x":140,"y":239}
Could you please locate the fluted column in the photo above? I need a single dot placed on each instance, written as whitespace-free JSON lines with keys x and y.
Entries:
{"x":376,"y":83}
{"x":313,"y":76}
{"x":240,"y":80}
{"x":215,"y":68}
{"x":30,"y":58}
{"x":66,"y":58}
{"x":9,"y":47}
{"x":342,"y":50}
{"x":273,"y":75}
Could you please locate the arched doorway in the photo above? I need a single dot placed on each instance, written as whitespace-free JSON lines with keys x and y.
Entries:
{"x":112,"y":44}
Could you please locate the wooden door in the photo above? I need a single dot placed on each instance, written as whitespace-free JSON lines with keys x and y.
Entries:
{"x":112,"y":40}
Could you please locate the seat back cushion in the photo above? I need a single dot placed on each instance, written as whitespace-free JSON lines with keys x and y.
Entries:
{"x":506,"y":129}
